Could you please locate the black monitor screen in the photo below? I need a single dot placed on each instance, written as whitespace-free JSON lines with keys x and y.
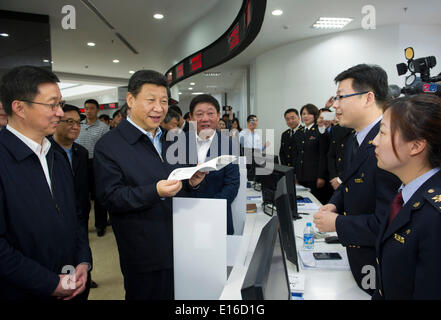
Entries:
{"x":267,"y":277}
{"x":270,"y":183}
{"x":286,"y":222}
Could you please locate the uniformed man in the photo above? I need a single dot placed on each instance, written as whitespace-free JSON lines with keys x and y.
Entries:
{"x":365,"y":189}
{"x":336,"y":154}
{"x":287,"y":144}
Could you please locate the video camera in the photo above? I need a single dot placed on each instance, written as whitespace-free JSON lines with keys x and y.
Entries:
{"x":422,"y":66}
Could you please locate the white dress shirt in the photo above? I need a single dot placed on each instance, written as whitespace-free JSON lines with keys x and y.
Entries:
{"x":202,"y":146}
{"x":40,"y":150}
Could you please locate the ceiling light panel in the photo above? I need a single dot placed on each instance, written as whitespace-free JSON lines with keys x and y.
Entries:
{"x":331,"y":23}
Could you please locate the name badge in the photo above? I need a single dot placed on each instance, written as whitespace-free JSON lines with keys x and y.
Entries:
{"x":358,"y":180}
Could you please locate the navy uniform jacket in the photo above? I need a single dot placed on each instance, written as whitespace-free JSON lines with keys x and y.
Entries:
{"x":287,"y":149}
{"x":36,"y":239}
{"x":310,"y":154}
{"x":80,"y":157}
{"x":365,"y":190}
{"x":127,"y":169}
{"x":336,"y":155}
{"x":409,"y":249}
{"x":220,"y":184}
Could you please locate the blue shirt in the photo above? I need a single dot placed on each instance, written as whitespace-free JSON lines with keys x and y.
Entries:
{"x":156,"y":140}
{"x":363,"y":133}
{"x":69,"y":154}
{"x":408,"y":190}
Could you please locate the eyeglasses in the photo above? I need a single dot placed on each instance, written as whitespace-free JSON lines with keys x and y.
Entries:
{"x":71,"y":122}
{"x":53,"y":106}
{"x":349,"y":95}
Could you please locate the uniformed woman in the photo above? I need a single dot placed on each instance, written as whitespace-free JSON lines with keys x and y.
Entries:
{"x":310,"y":153}
{"x":409,"y":239}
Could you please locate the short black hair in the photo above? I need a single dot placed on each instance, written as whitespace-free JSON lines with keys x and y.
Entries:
{"x":251,"y":116}
{"x":367,"y":78}
{"x":204,"y":98}
{"x":116,"y":113}
{"x":21,"y":83}
{"x":291,"y":110}
{"x":312,"y":109}
{"x":142,"y":77}
{"x":170,"y":115}
{"x":186,"y":115}
{"x":105,"y":117}
{"x":92,"y":101}
{"x":176,"y":109}
{"x":69,"y":107}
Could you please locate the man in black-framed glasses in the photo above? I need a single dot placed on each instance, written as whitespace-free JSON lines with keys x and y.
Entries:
{"x":366,"y":191}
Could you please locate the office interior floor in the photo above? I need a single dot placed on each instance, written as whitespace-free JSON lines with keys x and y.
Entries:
{"x":106,"y":270}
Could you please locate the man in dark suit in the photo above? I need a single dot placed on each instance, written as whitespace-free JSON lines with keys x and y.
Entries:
{"x":77,"y":157}
{"x":288,"y":143}
{"x":209,"y":144}
{"x":336,"y":155}
{"x":131,"y":175}
{"x":41,"y":236}
{"x":365,"y":189}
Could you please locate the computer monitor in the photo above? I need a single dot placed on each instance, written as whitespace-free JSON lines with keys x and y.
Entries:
{"x":286,"y":222}
{"x":269,"y":187}
{"x":267,"y":276}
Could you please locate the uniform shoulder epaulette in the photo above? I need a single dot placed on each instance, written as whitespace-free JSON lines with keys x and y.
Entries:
{"x":433,"y":196}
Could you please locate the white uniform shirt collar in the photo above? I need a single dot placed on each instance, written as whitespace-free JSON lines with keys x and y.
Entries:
{"x":39,"y":150}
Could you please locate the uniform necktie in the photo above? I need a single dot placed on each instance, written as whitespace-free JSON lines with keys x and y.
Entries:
{"x":396,"y":206}
{"x":354,"y":147}
{"x":291,"y":132}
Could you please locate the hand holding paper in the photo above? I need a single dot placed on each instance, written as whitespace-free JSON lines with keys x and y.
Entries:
{"x":212,"y":165}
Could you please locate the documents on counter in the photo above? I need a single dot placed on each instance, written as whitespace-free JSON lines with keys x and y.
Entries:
{"x":211,"y":165}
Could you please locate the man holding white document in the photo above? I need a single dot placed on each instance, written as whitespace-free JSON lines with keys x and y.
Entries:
{"x":131,"y":174}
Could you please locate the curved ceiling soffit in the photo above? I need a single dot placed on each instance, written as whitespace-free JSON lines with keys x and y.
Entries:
{"x":236,"y":39}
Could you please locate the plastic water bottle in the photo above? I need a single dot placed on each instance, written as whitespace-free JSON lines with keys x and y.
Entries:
{"x":308,"y":237}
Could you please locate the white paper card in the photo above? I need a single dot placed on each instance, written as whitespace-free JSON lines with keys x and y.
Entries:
{"x":199,"y":248}
{"x":211,"y":165}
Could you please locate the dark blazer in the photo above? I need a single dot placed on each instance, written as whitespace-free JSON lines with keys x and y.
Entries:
{"x":287,"y":148}
{"x":38,"y":237}
{"x":310,"y":156}
{"x":127,"y":169}
{"x":221,"y":184}
{"x":336,"y":155}
{"x":365,"y":190}
{"x":80,"y":173}
{"x":409,"y":249}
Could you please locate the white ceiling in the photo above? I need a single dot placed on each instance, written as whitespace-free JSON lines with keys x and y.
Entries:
{"x":133,"y":19}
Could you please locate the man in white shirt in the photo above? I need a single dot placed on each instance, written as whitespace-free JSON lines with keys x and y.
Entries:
{"x":40,"y":232}
{"x":224,"y":183}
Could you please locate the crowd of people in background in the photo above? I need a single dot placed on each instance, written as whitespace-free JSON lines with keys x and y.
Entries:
{"x":62,"y":160}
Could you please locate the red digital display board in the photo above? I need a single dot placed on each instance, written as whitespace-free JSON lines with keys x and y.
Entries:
{"x":180,"y":71}
{"x":233,"y":38}
{"x":196,"y":62}
{"x":248,"y":14}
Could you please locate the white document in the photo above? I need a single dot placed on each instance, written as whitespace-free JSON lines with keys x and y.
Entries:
{"x":211,"y":165}
{"x":328,"y":116}
{"x":297,"y":282}
{"x":199,"y":248}
{"x":309,"y":262}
